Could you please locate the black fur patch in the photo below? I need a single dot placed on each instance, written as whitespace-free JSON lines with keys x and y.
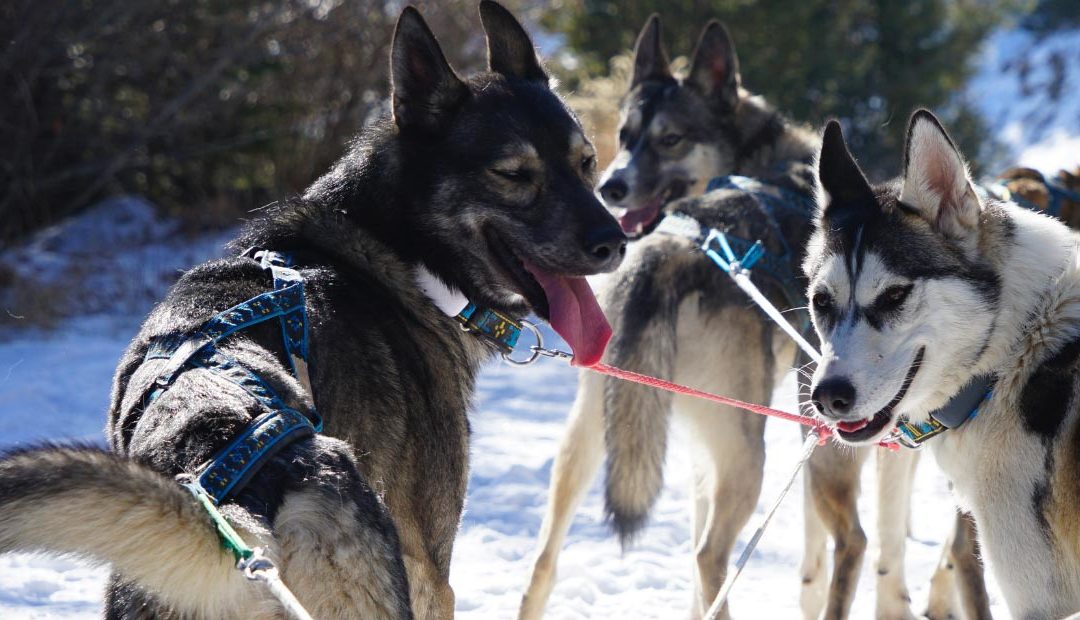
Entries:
{"x":1047,"y":394}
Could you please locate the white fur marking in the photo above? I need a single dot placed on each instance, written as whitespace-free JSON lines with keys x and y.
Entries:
{"x":449,"y":300}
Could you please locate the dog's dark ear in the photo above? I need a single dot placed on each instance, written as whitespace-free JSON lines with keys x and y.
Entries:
{"x":839,"y":176}
{"x":426,"y":91}
{"x":650,"y":59}
{"x":715,"y":68}
{"x":936,"y":179}
{"x":510,"y":50}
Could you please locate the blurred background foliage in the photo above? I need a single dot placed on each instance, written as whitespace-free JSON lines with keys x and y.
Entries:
{"x":207,"y":107}
{"x":867,"y":62}
{"x":211,"y":108}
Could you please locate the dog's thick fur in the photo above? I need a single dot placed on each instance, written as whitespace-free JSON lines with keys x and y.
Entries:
{"x":678,"y":316}
{"x":465,"y":178}
{"x":922,"y":283}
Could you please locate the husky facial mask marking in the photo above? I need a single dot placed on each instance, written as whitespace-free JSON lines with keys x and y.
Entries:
{"x":674,"y":135}
{"x":508,"y":217}
{"x":902,"y":300}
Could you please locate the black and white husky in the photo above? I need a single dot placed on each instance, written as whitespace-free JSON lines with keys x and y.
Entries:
{"x":924,"y":287}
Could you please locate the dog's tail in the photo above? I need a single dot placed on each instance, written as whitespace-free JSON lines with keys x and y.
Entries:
{"x":637,"y":417}
{"x":92,"y":503}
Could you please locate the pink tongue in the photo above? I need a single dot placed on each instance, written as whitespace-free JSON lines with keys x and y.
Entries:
{"x":851,"y":427}
{"x":575,"y":315}
{"x":636,"y":219}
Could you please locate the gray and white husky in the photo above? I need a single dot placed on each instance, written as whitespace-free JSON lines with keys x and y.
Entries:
{"x":678,"y":316}
{"x":924,"y":286}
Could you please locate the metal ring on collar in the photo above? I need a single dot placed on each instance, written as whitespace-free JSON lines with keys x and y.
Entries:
{"x":535,"y":349}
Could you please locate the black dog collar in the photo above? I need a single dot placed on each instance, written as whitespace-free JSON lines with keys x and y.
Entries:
{"x":963,"y":406}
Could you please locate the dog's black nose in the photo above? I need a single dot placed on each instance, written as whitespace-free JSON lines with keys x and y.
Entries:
{"x":834,"y":397}
{"x":606,"y":243}
{"x":614,"y":190}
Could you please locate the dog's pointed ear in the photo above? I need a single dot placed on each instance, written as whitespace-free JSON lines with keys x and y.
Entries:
{"x":650,"y":59}
{"x":715,"y":68}
{"x":510,"y":50}
{"x":936,"y":179}
{"x":426,"y":91}
{"x":843,"y":183}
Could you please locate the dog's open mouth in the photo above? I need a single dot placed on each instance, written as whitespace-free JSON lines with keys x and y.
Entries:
{"x":566,"y":302}
{"x":862,"y":430}
{"x":642,"y":220}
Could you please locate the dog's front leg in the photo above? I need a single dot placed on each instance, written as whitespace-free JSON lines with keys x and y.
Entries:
{"x":579,"y":458}
{"x":895,"y":477}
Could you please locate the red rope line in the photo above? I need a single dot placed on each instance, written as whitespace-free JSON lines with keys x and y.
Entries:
{"x":823,"y":431}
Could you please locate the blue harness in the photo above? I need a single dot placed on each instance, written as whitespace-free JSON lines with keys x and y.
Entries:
{"x":236,"y":463}
{"x":723,"y":247}
{"x":1057,"y":194}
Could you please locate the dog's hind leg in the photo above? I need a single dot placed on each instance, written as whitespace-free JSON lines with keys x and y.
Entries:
{"x":814,"y":586}
{"x":728,"y":476}
{"x":579,"y":457}
{"x":895,"y":476}
{"x":971,"y":581}
{"x":834,"y":487}
{"x":339,"y":548}
{"x":960,"y":572}
{"x":727,"y":352}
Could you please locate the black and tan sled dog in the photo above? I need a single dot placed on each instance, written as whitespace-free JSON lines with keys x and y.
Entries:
{"x":478,"y":189}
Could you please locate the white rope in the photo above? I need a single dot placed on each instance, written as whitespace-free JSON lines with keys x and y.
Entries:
{"x":722,"y":596}
{"x":686,"y":226}
{"x":742,"y":278}
{"x":261,"y":568}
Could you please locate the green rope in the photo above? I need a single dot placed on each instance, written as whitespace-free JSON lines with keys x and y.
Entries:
{"x":230,"y":540}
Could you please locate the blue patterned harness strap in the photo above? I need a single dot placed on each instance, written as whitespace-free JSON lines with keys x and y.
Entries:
{"x":774,"y":199}
{"x":1056,"y":195}
{"x":231,"y":468}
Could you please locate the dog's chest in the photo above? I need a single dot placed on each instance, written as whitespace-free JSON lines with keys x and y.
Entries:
{"x":991,"y":458}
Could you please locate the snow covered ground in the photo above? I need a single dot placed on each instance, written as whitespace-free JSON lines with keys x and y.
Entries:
{"x":56,"y":385}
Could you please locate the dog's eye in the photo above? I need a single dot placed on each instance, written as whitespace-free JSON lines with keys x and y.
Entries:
{"x":588,"y":163}
{"x":516,"y":175}
{"x":670,"y":140}
{"x":893,"y":297}
{"x":822,"y":302}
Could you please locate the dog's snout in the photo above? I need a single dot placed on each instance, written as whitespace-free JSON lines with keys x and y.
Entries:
{"x":606,"y":244}
{"x":834,"y":397}
{"x":614,"y":190}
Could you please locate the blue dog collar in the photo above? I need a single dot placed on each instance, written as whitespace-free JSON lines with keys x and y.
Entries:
{"x":491,"y":325}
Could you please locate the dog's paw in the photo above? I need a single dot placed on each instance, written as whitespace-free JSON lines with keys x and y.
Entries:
{"x":940,"y":613}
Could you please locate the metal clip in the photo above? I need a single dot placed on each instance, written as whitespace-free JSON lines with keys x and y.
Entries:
{"x":552,"y":353}
{"x":534,"y":350}
{"x":257,"y":566}
{"x":537,"y":350}
{"x":898,"y":436}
